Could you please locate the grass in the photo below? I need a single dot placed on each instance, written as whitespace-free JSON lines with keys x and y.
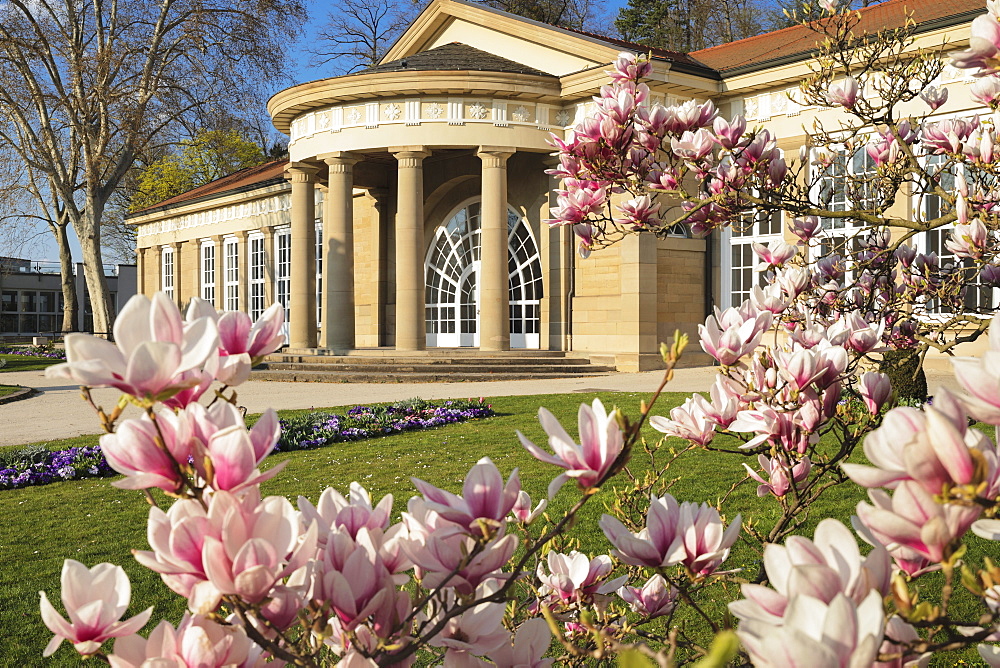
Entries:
{"x":26,"y":363}
{"x":9,"y":389}
{"x":92,"y":522}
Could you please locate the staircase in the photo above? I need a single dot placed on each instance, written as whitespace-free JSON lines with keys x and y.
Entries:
{"x":440,"y":365}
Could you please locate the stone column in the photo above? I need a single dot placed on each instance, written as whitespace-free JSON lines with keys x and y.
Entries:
{"x":494,"y":286}
{"x":140,"y":271}
{"x":338,"y":246}
{"x":243,"y":258}
{"x":302,"y":309}
{"x":380,"y":261}
{"x":410,"y":329}
{"x":158,"y":258}
{"x":269,"y":259}
{"x":179,"y":282}
{"x":220,"y":273}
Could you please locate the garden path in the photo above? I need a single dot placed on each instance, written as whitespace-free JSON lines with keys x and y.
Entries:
{"x":59,"y":412}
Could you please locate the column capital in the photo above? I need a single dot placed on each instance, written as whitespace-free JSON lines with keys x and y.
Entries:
{"x":176,"y":245}
{"x":267,"y":231}
{"x":241,"y":234}
{"x":340,"y":161}
{"x":409,"y":156}
{"x":301,"y":172}
{"x":495,"y":156}
{"x":217,"y":238}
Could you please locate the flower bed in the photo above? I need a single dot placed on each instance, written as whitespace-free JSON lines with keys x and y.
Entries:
{"x":317,"y":429}
{"x":34,"y":351}
{"x":35,"y":465}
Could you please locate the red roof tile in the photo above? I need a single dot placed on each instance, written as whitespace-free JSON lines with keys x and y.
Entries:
{"x":245,"y":179}
{"x":800,"y":39}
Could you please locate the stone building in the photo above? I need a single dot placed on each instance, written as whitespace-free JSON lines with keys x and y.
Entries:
{"x":411,"y":212}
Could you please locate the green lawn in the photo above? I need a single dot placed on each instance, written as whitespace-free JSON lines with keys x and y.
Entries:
{"x":90,"y":521}
{"x":26,"y":363}
{"x":9,"y":389}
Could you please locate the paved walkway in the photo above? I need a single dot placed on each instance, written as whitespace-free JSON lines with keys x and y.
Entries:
{"x":59,"y":412}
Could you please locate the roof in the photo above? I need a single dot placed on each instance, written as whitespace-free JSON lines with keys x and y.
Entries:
{"x":250,"y":178}
{"x":451,"y":57}
{"x":761,"y":50}
{"x":656,"y":52}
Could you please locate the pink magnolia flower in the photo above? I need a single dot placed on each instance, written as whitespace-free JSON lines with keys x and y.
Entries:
{"x":693,"y":146}
{"x":352,"y":514}
{"x":196,"y":641}
{"x":728,"y":134}
{"x":654,"y":599}
{"x":153,"y":352}
{"x":981,"y":379}
{"x":984,"y":47}
{"x":968,"y":241}
{"x":576,"y":577}
{"x":776,"y":471}
{"x":875,"y":389}
{"x":627,"y":67}
{"x":477,"y":631}
{"x":986,"y":90}
{"x":485,"y":500}
{"x":585,"y":234}
{"x":913,"y":519}
{"x":639,"y":212}
{"x":822,"y":568}
{"x":934,"y":97}
{"x":727,"y":340}
{"x":95,"y":600}
{"x":776,"y":253}
{"x":134,"y":451}
{"x":687,"y":421}
{"x":844,"y":93}
{"x":531,"y":641}
{"x":522,"y":511}
{"x":932,"y":448}
{"x":814,"y":633}
{"x":240,"y":545}
{"x":947,"y":136}
{"x":601,"y":443}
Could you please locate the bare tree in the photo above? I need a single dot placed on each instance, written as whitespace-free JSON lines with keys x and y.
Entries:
{"x":359,"y":32}
{"x":88,"y":86}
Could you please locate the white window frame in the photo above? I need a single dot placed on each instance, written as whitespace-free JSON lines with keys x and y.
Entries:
{"x":283,"y":270}
{"x":167,"y":271}
{"x":319,"y":273}
{"x":208,"y":270}
{"x":257,"y":274}
{"x":933,"y":241}
{"x":231,"y":255}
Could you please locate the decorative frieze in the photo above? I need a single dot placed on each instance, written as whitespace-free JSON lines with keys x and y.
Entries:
{"x":266,"y":211}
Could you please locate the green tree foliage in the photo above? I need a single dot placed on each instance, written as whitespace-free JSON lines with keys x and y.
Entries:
{"x":210,"y":155}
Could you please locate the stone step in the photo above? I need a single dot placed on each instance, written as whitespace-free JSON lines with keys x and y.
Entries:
{"x":430,"y":352}
{"x":422,"y":367}
{"x":391,"y":376}
{"x":488,"y":360}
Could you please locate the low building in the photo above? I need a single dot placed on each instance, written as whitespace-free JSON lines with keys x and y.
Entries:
{"x":31,"y":299}
{"x":411,"y":213}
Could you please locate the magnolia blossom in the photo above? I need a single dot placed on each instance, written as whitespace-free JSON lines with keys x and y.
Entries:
{"x":477,"y":631}
{"x":813,"y":633}
{"x":844,"y":93}
{"x":531,"y":641}
{"x":728,"y":337}
{"x":485,"y":500}
{"x":774,"y":254}
{"x":776,"y":472}
{"x":875,"y":388}
{"x":351,"y":514}
{"x":653,"y":599}
{"x":686,"y":534}
{"x":968,"y":241}
{"x":155,"y":354}
{"x":828,"y":566}
{"x":986,"y":90}
{"x":984,"y":47}
{"x":95,"y":600}
{"x":522,"y":510}
{"x":196,"y":641}
{"x":687,"y":421}
{"x":934,"y":97}
{"x":601,"y":442}
{"x":576,"y":577}
{"x":981,"y":379}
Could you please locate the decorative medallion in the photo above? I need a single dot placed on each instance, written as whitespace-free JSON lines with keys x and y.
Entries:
{"x":562,"y":118}
{"x":435,"y":110}
{"x":355,"y":116}
{"x":392,"y":112}
{"x":520,"y":114}
{"x":323,"y":120}
{"x":477,"y":111}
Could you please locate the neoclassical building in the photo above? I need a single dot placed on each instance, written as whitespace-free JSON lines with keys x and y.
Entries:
{"x":411,"y":212}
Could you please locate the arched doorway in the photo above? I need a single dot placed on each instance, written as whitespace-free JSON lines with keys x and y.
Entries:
{"x":451,"y":271}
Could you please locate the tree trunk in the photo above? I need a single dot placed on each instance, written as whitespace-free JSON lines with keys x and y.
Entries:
{"x":88,"y":231}
{"x":70,"y":306}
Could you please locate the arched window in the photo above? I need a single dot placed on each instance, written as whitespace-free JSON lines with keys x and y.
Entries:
{"x":452,"y":287}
